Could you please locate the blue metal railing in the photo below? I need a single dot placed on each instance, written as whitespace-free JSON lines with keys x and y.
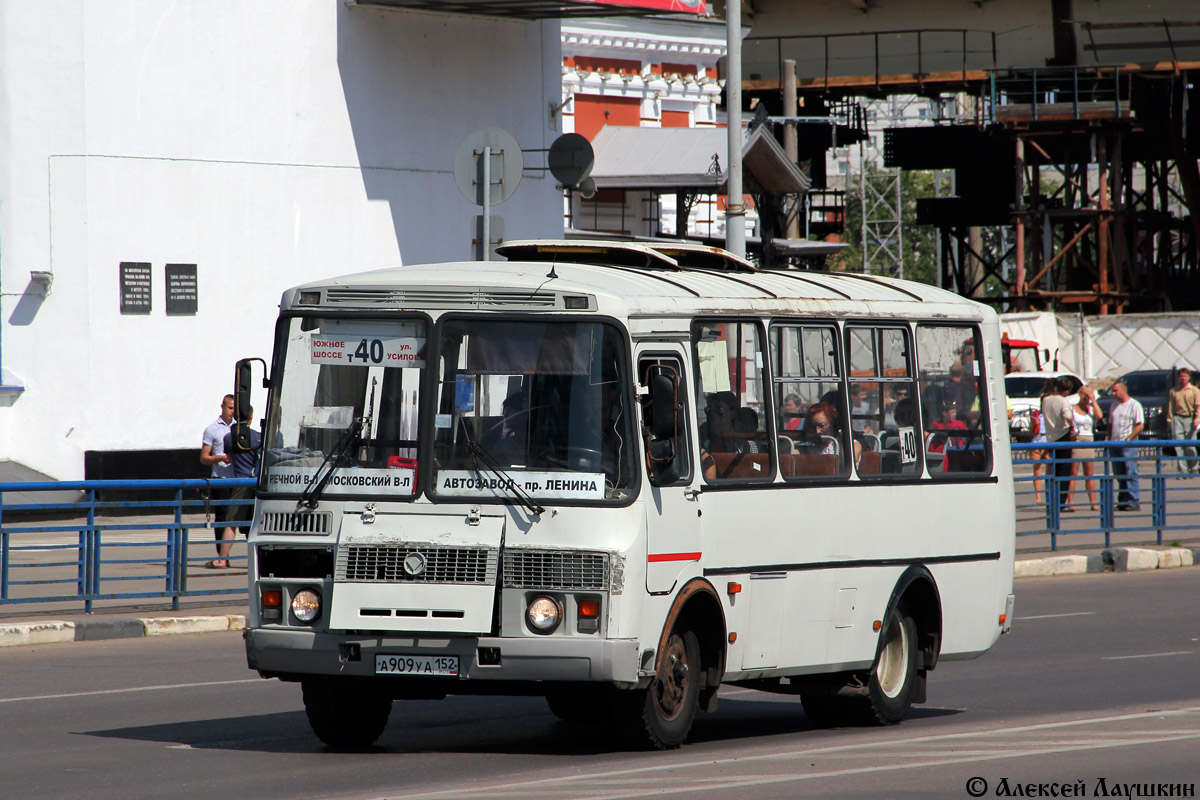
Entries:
{"x":86,"y":559}
{"x":42,"y":554}
{"x":1164,"y":503}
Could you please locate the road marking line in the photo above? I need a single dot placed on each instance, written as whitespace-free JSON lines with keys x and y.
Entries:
{"x":1056,"y":616}
{"x":730,"y":782}
{"x":1149,"y":655}
{"x":124,"y":691}
{"x":702,"y":762}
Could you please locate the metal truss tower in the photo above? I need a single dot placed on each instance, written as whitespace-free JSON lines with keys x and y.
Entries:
{"x":882,"y":233}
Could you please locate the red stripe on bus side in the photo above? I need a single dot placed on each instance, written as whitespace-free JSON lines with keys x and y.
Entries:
{"x":653,"y":557}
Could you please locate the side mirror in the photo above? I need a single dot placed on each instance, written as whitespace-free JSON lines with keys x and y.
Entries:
{"x":664,"y":405}
{"x":243,"y":382}
{"x":241,"y":390}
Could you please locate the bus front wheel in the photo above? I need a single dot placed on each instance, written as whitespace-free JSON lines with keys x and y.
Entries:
{"x":890,"y":688}
{"x":668,"y":707}
{"x":345,"y":714}
{"x":576,"y":703}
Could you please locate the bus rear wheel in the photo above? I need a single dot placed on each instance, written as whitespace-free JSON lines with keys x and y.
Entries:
{"x":667,"y":708}
{"x":890,"y":688}
{"x":345,"y":714}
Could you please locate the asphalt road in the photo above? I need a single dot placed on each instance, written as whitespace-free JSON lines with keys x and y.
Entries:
{"x":1100,"y":679}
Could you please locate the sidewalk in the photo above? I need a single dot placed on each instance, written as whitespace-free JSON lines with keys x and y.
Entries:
{"x":57,"y":622}
{"x":52,"y":623}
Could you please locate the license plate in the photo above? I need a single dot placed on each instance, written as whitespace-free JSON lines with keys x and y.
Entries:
{"x":399,"y":664}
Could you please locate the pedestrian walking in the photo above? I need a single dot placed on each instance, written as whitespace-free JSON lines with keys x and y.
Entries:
{"x":1183,"y":417}
{"x":1126,"y":419}
{"x":212,"y":453}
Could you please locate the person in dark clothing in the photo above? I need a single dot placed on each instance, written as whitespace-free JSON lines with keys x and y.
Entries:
{"x":245,"y":465}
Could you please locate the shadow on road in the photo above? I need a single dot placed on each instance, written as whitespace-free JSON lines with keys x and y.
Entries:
{"x":495,"y":725}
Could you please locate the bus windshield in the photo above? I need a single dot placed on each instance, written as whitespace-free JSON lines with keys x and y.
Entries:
{"x":536,"y":404}
{"x":347,"y":402}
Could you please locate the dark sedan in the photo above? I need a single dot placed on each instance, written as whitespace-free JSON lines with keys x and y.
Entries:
{"x":1149,"y":387}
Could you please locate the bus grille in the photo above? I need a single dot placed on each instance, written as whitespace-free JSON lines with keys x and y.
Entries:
{"x":561,"y":569}
{"x":440,"y":298}
{"x":430,"y":564}
{"x":295,"y":522}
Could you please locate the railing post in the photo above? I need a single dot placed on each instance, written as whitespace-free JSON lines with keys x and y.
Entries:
{"x":877,"y":61}
{"x":91,"y":582}
{"x":1053,"y":499}
{"x":826,"y":40}
{"x":920,"y":61}
{"x":1033,"y":98}
{"x":3,"y":555}
{"x":1158,"y":495}
{"x":992,"y":80}
{"x":174,"y":568}
{"x":1075,"y":90}
{"x":1106,"y":498}
{"x":964,"y":58}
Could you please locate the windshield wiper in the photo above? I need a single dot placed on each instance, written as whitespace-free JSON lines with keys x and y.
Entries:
{"x":350,"y":437}
{"x":491,"y":465}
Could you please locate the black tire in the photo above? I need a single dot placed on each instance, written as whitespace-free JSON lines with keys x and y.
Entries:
{"x":890,"y":688}
{"x":667,"y":708}
{"x":345,"y":714}
{"x":824,"y":711}
{"x":575,"y":704}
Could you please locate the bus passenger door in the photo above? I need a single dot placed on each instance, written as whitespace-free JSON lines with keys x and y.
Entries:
{"x":673,"y":499}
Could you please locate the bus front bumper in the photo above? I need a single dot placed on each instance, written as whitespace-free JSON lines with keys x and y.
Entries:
{"x":300,"y":653}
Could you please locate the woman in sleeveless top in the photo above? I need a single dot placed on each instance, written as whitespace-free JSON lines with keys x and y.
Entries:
{"x":1085,"y":413}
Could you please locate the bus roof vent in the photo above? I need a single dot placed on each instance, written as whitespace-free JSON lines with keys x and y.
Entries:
{"x":439,"y":297}
{"x":644,"y":255}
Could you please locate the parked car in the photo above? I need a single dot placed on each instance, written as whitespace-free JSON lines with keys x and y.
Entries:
{"x":1150,"y":388}
{"x":1024,"y":390}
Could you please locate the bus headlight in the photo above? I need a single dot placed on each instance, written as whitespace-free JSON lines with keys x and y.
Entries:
{"x":544,"y":614}
{"x":306,"y":605}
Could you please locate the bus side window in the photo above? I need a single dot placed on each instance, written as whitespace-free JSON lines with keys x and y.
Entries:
{"x":883,"y":415}
{"x":809,"y":425}
{"x":953,"y":399}
{"x":731,"y":403}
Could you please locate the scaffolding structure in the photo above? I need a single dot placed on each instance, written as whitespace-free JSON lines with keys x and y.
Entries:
{"x":1076,"y":186}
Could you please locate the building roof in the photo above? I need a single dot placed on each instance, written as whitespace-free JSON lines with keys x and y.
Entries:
{"x":694,"y":159}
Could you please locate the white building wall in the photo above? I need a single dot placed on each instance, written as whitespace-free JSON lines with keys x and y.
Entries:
{"x":268,"y":143}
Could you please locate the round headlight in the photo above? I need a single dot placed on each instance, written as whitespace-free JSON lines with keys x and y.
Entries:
{"x":544,"y":614}
{"x":306,"y":605}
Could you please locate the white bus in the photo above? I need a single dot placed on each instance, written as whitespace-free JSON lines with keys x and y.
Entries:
{"x":619,"y":475}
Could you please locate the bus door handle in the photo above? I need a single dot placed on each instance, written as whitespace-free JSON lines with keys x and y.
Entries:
{"x":690,"y":493}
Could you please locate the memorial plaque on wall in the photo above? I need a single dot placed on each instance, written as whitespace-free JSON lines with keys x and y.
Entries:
{"x":135,"y":287}
{"x":181,"y":289}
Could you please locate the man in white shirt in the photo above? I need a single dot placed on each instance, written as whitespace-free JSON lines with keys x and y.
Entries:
{"x":212,"y":453}
{"x":1059,"y":422}
{"x":1126,"y":419}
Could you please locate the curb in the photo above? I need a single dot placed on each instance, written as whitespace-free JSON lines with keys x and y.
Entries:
{"x":1112,"y":559}
{"x":56,"y":631}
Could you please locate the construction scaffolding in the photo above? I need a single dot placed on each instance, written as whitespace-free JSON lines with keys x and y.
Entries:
{"x":1076,"y":186}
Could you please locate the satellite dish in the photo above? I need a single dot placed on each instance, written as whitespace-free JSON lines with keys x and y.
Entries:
{"x":507,"y":165}
{"x":587,"y":188}
{"x":571,"y":160}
